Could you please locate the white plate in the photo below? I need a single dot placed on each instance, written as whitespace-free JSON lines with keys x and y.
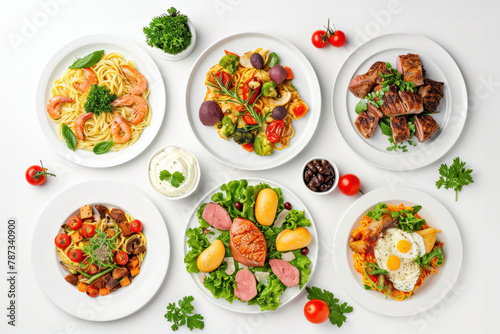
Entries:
{"x":290,"y":293}
{"x":435,"y":286}
{"x":439,"y":66}
{"x":305,"y":81}
{"x":80,"y":48}
{"x":50,"y":275}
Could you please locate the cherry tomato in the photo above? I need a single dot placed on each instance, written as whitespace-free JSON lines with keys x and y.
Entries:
{"x":90,"y":269}
{"x":62,"y":240}
{"x":136,"y":226}
{"x":299,"y":110}
{"x":319,"y":39}
{"x":36,"y":175}
{"x":275,"y":130}
{"x":88,"y":230}
{"x":75,"y":255}
{"x":121,"y":258}
{"x":248,"y":147}
{"x":249,"y":119}
{"x":337,"y":39}
{"x":349,"y":184}
{"x":316,"y":311}
{"x":74,"y":222}
{"x":92,"y":291}
{"x":251,"y":89}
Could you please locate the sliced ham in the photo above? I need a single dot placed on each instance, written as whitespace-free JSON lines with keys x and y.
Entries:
{"x":248,"y":244}
{"x":246,"y":286}
{"x":400,"y":129}
{"x":287,"y":274}
{"x":217,"y":216}
{"x":412,"y":102}
{"x":425,"y":127}
{"x":410,"y":66}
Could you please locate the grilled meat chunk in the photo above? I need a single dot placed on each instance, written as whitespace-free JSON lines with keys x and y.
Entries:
{"x":431,"y":93}
{"x":412,"y":102}
{"x":400,"y":129}
{"x":367,"y":122}
{"x":392,"y":105}
{"x":102,"y":210}
{"x":100,"y":283}
{"x":425,"y":127}
{"x":410,"y":66}
{"x":72,"y":279}
{"x":359,"y":246}
{"x":362,"y":84}
{"x":118,"y":215}
{"x":377,"y":226}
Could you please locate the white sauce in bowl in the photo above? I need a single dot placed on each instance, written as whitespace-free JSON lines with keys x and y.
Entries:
{"x":174,"y":159}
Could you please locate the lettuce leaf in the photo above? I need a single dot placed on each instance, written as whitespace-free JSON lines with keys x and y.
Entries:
{"x":302,"y":263}
{"x":197,"y":242}
{"x":268,"y":296}
{"x":221,"y":284}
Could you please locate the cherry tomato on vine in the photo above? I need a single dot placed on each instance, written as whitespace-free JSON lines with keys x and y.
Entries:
{"x":316,"y":311}
{"x":319,"y":39}
{"x":121,"y":258}
{"x":36,"y":175}
{"x":74,"y":222}
{"x":136,"y":226}
{"x":62,"y":240}
{"x":337,"y":39}
{"x":88,"y":230}
{"x":349,"y":184}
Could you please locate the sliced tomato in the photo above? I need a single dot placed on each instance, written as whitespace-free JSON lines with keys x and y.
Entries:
{"x":248,"y":147}
{"x":299,"y":110}
{"x":121,"y":258}
{"x":289,"y":73}
{"x":75,"y":255}
{"x":275,"y":130}
{"x":249,"y":119}
{"x":62,"y":240}
{"x":136,"y":226}
{"x":92,"y":291}
{"x":74,"y":223}
{"x":88,"y":230}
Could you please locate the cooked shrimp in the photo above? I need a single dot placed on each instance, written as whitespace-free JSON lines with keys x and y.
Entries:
{"x":139,"y":81}
{"x":54,"y":105}
{"x":80,"y":123}
{"x":119,"y":125}
{"x":141,"y":106}
{"x":87,"y":84}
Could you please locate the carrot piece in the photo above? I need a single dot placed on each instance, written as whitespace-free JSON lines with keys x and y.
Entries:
{"x":248,"y":147}
{"x":82,"y":286}
{"x":289,"y":73}
{"x":124,"y":281}
{"x":132,"y":264}
{"x":104,"y":291}
{"x":135,"y":271}
{"x":230,"y":53}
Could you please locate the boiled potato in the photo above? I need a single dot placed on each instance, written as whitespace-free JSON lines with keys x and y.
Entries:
{"x":289,"y":240}
{"x":266,"y":206}
{"x":212,"y":257}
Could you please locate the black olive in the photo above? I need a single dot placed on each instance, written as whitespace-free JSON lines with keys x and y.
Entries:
{"x":256,"y":60}
{"x":321,"y":178}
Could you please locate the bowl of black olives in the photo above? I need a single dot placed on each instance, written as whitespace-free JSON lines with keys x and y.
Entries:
{"x":320,"y":176}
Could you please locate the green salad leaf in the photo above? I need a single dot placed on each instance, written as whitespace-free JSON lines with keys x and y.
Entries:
{"x":88,"y":61}
{"x":425,"y":260}
{"x":378,"y":211}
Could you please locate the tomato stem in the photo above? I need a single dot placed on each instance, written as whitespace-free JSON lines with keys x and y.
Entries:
{"x":361,"y":191}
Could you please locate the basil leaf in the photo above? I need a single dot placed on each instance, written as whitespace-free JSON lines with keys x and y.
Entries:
{"x":88,"y":60}
{"x":273,"y":59}
{"x":103,"y":147}
{"x":69,"y":137}
{"x":386,"y":129}
{"x":360,"y":107}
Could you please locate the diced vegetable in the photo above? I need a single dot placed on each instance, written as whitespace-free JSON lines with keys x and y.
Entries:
{"x":262,"y":146}
{"x":104,"y":291}
{"x":230,"y":62}
{"x":269,"y":89}
{"x":135,"y":271}
{"x":82,"y":286}
{"x":125,"y":281}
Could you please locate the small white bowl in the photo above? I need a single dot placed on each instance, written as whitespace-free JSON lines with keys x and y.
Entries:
{"x":194,"y":187}
{"x":184,"y":53}
{"x":335,"y":169}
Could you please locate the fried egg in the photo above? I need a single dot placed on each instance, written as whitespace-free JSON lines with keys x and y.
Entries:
{"x":395,"y":251}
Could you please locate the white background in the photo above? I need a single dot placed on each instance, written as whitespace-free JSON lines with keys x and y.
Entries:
{"x":467,"y":30}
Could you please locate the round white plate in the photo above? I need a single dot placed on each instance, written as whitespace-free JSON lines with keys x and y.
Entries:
{"x":305,"y":81}
{"x":80,"y":48}
{"x":290,"y":293}
{"x":439,"y":67}
{"x":50,"y":275}
{"x":435,"y":286}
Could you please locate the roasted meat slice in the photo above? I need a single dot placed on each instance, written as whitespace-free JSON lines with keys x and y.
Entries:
{"x":118,"y":215}
{"x":431,"y":93}
{"x":410,"y":66}
{"x":392,"y":105}
{"x":102,"y":210}
{"x":362,"y":84}
{"x":377,"y":226}
{"x":400,"y":129}
{"x":382,"y":68}
{"x":248,"y":243}
{"x":425,"y":127}
{"x":367,"y":122}
{"x":412,"y":102}
{"x":359,"y":246}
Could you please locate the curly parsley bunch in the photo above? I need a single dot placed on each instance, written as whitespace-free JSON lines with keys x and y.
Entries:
{"x":169,"y":32}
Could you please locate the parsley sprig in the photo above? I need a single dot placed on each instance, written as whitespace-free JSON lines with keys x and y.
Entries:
{"x":184,"y":315}
{"x":337,"y":310}
{"x":99,"y":100}
{"x":169,"y":32}
{"x":395,"y":78}
{"x":455,"y":176}
{"x":175,"y":179}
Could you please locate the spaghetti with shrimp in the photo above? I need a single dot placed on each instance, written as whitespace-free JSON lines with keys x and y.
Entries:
{"x":75,"y":84}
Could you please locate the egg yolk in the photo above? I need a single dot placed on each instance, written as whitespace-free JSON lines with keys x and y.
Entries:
{"x":393,"y":262}
{"x":404,"y":246}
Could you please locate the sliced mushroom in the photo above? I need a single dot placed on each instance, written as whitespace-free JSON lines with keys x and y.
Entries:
{"x":284,"y":99}
{"x":245,"y":60}
{"x":132,"y":243}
